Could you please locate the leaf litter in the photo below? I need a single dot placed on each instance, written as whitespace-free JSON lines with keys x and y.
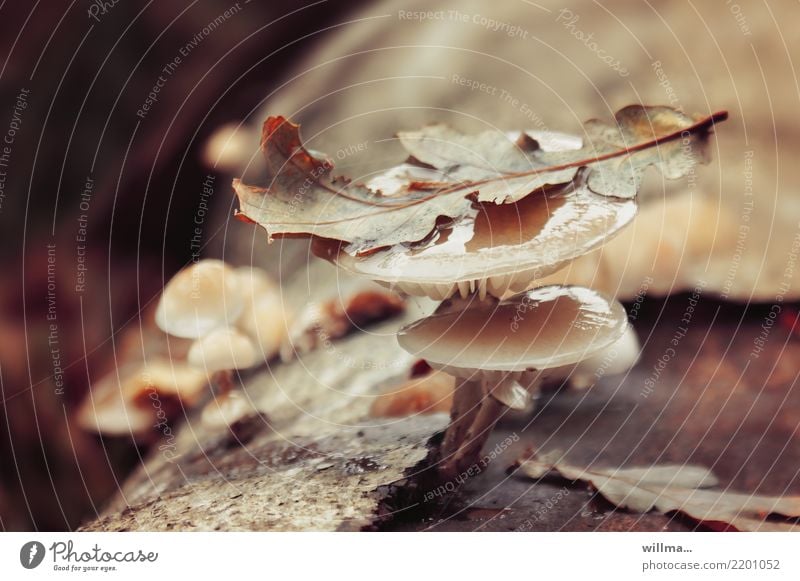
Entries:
{"x":683,"y":488}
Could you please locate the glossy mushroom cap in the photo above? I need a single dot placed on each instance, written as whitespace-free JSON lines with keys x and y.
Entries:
{"x":615,"y":359}
{"x":545,"y":328}
{"x":497,"y":248}
{"x":199,"y":299}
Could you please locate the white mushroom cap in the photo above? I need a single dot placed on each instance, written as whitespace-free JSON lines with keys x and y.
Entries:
{"x":266,"y":322}
{"x":541,"y":329}
{"x":265,"y":318}
{"x":173,"y":378}
{"x":427,"y":394}
{"x":200,"y":298}
{"x":223,"y":349}
{"x":254,"y":282}
{"x":500,"y":248}
{"x":112,"y":411}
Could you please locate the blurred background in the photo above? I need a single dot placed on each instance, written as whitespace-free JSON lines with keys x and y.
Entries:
{"x":115,"y":115}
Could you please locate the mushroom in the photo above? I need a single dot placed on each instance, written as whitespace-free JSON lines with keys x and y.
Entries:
{"x":199,"y":299}
{"x":230,"y":148}
{"x":110,"y":409}
{"x":254,"y":282}
{"x":210,"y":302}
{"x":320,"y":322}
{"x":265,"y":318}
{"x":499,"y":350}
{"x":221,"y":351}
{"x":132,"y":399}
{"x":173,"y":379}
{"x":225,"y":410}
{"x":498,"y":248}
{"x":266,"y":322}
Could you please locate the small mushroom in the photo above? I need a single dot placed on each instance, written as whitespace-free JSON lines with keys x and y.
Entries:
{"x":223,"y":349}
{"x":110,"y":408}
{"x":199,"y":299}
{"x":226,"y":410}
{"x":266,"y":322}
{"x":130,"y":400}
{"x":265,"y":318}
{"x":254,"y":282}
{"x":500,"y":349}
{"x":323,"y":321}
{"x":230,"y":148}
{"x":173,"y":379}
{"x":498,"y":248}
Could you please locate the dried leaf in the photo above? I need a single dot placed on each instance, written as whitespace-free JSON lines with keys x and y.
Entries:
{"x":303,"y":197}
{"x":675,"y":488}
{"x":449,"y":170}
{"x":616,"y":154}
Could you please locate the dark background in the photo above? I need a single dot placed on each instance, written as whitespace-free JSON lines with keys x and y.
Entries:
{"x":87,"y":80}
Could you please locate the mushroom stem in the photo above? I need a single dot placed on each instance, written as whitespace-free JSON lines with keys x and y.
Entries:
{"x":466,"y":403}
{"x":479,"y":431}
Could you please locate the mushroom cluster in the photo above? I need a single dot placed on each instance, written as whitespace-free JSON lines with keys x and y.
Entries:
{"x":215,"y":319}
{"x":230,"y":313}
{"x":211,"y":320}
{"x":480,"y":222}
{"x":501,"y":346}
{"x":235,"y":317}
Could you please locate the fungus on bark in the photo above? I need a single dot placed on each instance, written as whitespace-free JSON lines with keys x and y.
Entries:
{"x":501,"y":351}
{"x":232,"y":315}
{"x":484,"y":216}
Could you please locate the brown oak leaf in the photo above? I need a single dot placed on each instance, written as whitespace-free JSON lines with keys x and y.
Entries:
{"x":447,"y":171}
